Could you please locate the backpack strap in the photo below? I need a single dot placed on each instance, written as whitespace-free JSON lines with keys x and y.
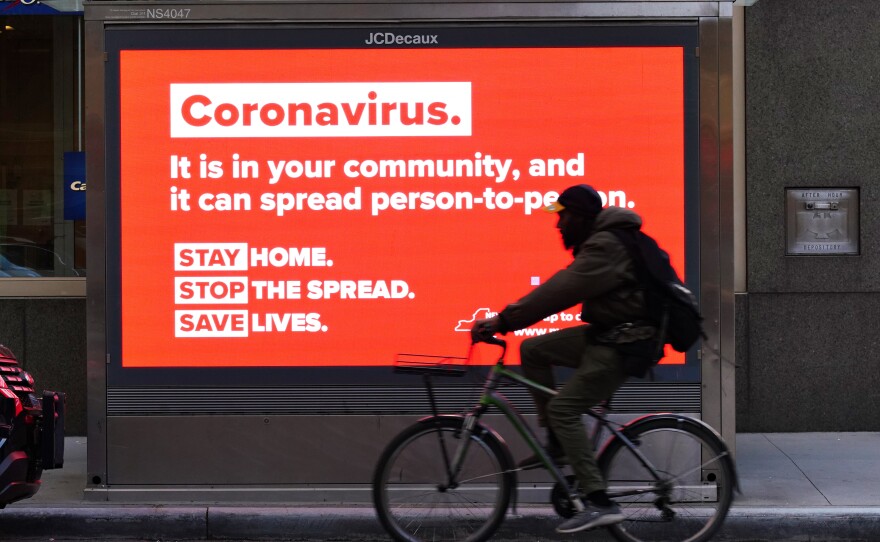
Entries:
{"x":630,"y":238}
{"x":627,"y":238}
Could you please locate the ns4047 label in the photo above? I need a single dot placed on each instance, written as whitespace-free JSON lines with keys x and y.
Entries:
{"x":168,"y":13}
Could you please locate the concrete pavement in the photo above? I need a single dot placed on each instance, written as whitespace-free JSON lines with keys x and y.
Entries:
{"x":795,"y":486}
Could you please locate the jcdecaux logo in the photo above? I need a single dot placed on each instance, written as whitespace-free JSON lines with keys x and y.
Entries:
{"x":390,"y":38}
{"x":321,"y":109}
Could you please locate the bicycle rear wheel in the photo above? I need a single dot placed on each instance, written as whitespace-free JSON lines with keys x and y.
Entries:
{"x":692,"y":498}
{"x":410,"y":490}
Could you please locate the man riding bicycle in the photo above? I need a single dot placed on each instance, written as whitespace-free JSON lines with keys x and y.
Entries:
{"x":602,"y":277}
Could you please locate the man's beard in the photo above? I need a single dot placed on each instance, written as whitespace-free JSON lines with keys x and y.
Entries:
{"x":576,"y":233}
{"x":571,"y":238}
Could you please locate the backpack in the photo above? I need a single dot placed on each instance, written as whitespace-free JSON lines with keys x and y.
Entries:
{"x":671,"y":305}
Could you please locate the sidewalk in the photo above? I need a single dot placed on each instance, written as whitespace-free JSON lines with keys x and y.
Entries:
{"x":795,"y":486}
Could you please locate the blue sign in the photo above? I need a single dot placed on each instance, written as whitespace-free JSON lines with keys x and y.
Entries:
{"x":74,"y":185}
{"x":41,"y":7}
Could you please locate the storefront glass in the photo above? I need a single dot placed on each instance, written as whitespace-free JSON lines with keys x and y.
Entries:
{"x":42,"y":177}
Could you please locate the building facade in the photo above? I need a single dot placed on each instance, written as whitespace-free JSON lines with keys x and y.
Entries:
{"x":802,"y":102}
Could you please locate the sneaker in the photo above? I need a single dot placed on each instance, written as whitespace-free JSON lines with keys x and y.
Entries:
{"x":593,"y":516}
{"x":533,"y":461}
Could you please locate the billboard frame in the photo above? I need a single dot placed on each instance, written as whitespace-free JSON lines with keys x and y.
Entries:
{"x":715,"y":391}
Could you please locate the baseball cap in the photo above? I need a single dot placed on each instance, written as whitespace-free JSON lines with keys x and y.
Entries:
{"x":580,"y":198}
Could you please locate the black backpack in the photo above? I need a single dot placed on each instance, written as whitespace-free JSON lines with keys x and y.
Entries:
{"x":671,"y":306}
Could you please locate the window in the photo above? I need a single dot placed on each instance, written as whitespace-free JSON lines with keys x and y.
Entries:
{"x":42,"y":181}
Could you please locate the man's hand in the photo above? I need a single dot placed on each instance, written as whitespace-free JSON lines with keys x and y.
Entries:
{"x":485,"y":329}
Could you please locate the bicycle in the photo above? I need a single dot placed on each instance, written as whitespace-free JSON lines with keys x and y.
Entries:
{"x":450,"y":477}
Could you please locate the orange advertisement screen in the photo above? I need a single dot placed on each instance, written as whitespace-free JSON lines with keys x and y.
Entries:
{"x":332,"y":207}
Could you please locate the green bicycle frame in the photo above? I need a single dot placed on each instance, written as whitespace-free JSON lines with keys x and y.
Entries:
{"x":491,"y":397}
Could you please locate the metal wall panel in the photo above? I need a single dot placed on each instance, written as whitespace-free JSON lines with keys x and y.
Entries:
{"x":330,"y":457}
{"x":96,"y":295}
{"x":398,"y":11}
{"x":330,"y":400}
{"x":716,"y":222}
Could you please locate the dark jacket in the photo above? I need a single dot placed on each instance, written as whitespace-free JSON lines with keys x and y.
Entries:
{"x":601,"y":276}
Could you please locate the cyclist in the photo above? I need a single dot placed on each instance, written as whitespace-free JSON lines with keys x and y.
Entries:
{"x":602,"y":277}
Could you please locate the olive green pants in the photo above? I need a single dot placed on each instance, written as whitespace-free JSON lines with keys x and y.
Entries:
{"x":597,"y":375}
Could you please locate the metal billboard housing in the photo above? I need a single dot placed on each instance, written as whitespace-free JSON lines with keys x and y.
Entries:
{"x":137,"y":434}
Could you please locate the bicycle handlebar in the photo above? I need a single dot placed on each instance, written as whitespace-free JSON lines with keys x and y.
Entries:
{"x":494,"y":340}
{"x":497,"y":341}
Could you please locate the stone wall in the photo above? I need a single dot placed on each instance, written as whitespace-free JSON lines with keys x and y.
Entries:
{"x":807,"y":334}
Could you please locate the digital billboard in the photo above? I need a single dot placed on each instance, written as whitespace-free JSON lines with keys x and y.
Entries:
{"x":315,"y":206}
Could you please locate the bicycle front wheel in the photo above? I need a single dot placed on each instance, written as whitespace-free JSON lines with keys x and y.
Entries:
{"x":412,"y":492}
{"x":691,"y":498}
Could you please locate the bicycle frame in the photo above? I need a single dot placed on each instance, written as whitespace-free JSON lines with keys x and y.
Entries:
{"x":491,"y":397}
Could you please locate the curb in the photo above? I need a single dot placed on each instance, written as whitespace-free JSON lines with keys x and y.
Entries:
{"x":827,"y":523}
{"x":344,"y":524}
{"x":139,"y":522}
